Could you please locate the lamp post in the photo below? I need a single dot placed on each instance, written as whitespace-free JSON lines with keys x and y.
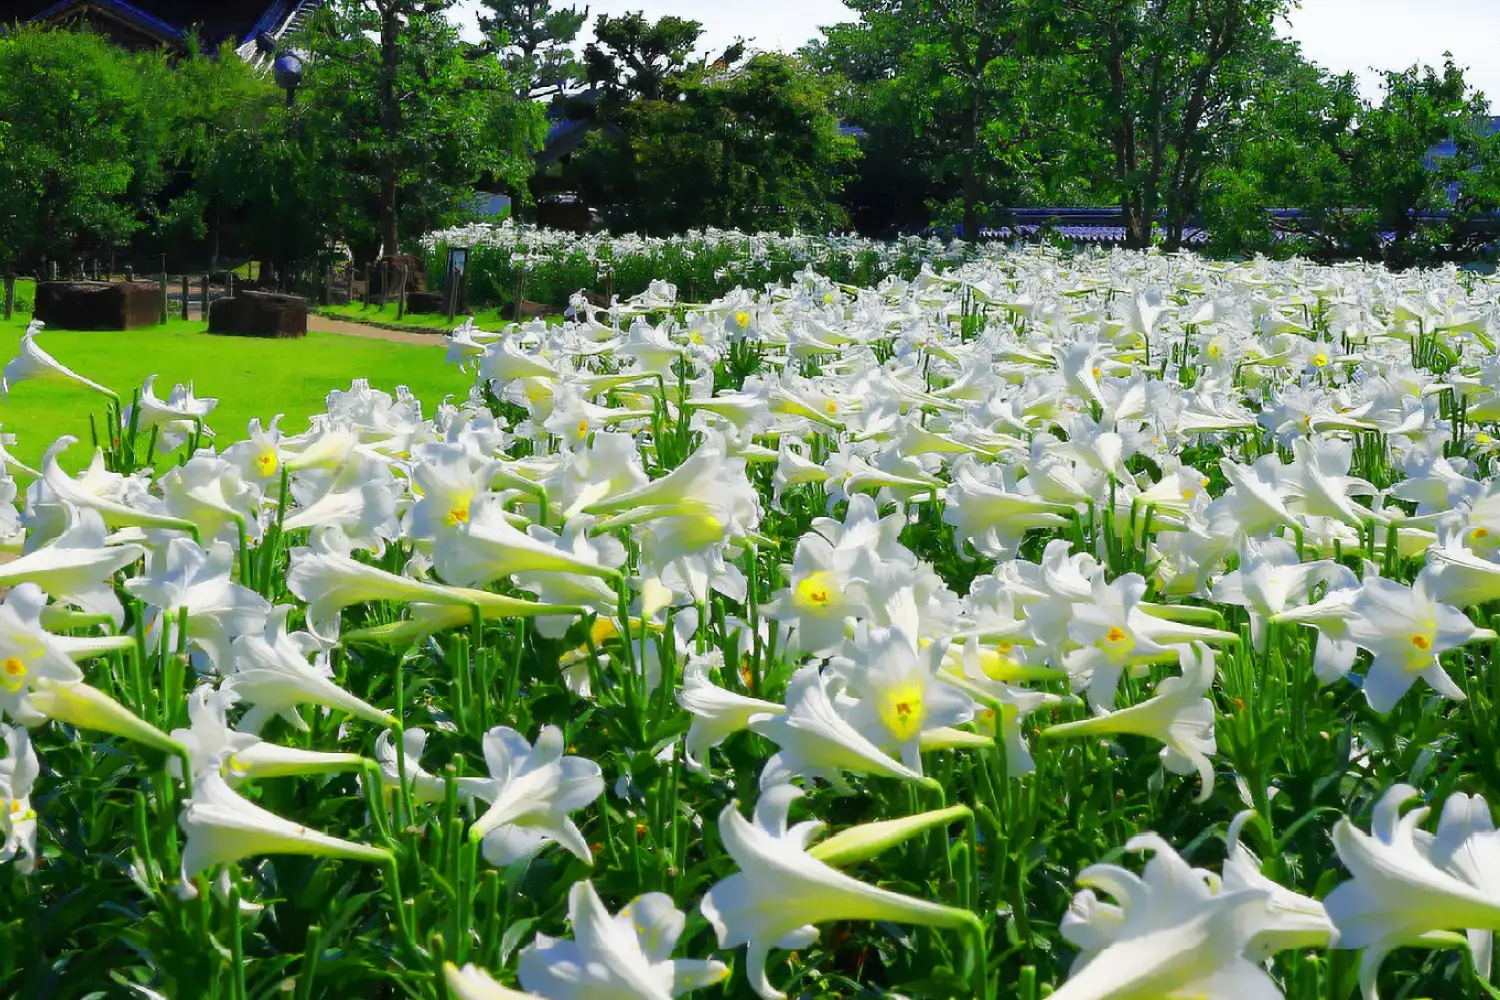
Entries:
{"x":287,"y":72}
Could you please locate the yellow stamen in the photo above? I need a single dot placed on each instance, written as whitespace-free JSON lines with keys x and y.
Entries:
{"x":15,"y":674}
{"x":265,"y":463}
{"x":816,"y":591}
{"x":457,"y":516}
{"x":901,"y":711}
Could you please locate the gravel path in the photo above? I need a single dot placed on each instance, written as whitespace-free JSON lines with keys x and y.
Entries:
{"x":323,"y":324}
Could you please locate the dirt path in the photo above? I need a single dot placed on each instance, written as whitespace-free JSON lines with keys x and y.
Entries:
{"x":323,"y":324}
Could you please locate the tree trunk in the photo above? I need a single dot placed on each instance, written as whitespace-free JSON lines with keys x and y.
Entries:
{"x":984,"y":53}
{"x":971,"y":168}
{"x":390,"y":124}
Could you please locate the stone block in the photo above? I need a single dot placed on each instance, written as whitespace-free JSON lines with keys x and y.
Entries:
{"x":259,"y":314}
{"x":426,"y":302}
{"x":98,"y":305}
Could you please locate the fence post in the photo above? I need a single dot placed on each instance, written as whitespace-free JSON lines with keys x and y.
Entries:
{"x":328,"y":285}
{"x":162,"y":318}
{"x":401,"y":294}
{"x":187,"y":296}
{"x":10,"y":293}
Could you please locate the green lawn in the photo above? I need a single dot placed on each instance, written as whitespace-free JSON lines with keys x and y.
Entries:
{"x":250,"y":378}
{"x":488,"y":319}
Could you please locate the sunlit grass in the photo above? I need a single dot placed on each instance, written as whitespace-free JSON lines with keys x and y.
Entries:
{"x":249,"y":377}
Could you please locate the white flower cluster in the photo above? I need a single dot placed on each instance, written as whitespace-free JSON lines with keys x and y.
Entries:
{"x":869,"y":525}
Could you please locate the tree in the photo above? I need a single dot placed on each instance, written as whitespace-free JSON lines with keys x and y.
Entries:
{"x":83,"y":151}
{"x":534,"y":40}
{"x":1423,"y":109}
{"x":755,"y":147}
{"x":1164,"y":81}
{"x":939,"y":66}
{"x":1363,"y":177}
{"x":397,"y":102}
{"x":893,"y":185}
{"x":966,"y":108}
{"x":226,"y":121}
{"x":632,"y":57}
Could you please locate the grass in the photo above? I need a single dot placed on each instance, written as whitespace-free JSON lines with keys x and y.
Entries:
{"x":489,"y":318}
{"x":250,"y":378}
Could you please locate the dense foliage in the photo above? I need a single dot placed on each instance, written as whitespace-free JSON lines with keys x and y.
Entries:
{"x":112,"y":155}
{"x":756,"y":148}
{"x":1175,"y":115}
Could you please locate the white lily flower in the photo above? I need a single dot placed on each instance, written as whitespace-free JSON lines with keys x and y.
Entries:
{"x":487,"y":547}
{"x":187,"y":578}
{"x":421,"y":784}
{"x":1457,"y":574}
{"x":258,"y":457}
{"x":365,"y":514}
{"x":781,"y":892}
{"x":242,"y":756}
{"x":898,"y":691}
{"x":18,"y":773}
{"x":209,"y":492}
{"x":223,"y":828}
{"x":1257,"y":499}
{"x":446,"y":480}
{"x":473,"y":983}
{"x":1404,"y":631}
{"x":329,"y":581}
{"x":817,"y":741}
{"x":1177,"y":715}
{"x":115,"y":513}
{"x":271,"y":673}
{"x":1170,"y":936}
{"x":717,"y":713}
{"x":77,"y":568}
{"x":1112,"y":632}
{"x":1272,"y":578}
{"x":178,"y":416}
{"x":29,"y":654}
{"x":1301,"y":922}
{"x":35,"y":363}
{"x":531,"y":791}
{"x":1409,"y":884}
{"x":627,"y":956}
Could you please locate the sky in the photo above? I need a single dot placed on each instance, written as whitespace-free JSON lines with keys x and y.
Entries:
{"x":1342,"y":35}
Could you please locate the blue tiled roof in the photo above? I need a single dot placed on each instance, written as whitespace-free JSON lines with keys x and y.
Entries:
{"x":126,"y":12}
{"x":169,"y":20}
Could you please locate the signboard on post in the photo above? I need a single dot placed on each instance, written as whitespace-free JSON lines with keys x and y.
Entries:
{"x":458,"y":262}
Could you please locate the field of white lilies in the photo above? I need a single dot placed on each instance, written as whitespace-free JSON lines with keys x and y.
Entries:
{"x":1098,"y":626}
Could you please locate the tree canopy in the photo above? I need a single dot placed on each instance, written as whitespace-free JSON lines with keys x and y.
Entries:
{"x":1175,"y":115}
